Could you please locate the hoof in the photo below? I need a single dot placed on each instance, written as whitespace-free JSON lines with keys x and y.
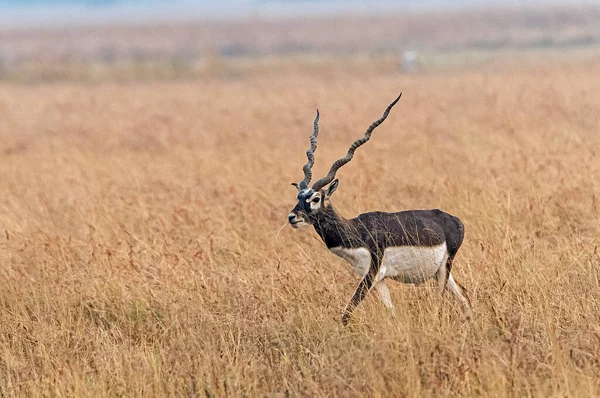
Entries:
{"x":345,"y":319}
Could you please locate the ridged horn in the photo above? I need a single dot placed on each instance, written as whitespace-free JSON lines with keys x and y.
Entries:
{"x":310,"y":155}
{"x":340,"y":162}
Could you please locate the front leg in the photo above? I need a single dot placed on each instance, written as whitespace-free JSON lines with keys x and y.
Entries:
{"x":384,"y":295}
{"x":374,"y":275}
{"x":359,"y":294}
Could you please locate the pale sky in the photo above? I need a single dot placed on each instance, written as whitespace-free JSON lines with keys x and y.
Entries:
{"x":31,"y":13}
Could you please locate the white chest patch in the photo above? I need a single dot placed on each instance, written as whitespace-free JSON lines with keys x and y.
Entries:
{"x":410,"y":264}
{"x":360,"y":258}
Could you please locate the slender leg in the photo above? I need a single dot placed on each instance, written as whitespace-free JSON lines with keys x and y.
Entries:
{"x":463,"y":300}
{"x":384,"y":294}
{"x":373,"y":277}
{"x":359,"y":294}
{"x":442,"y":275}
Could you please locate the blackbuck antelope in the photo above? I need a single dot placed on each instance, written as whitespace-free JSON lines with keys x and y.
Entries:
{"x":409,"y":246}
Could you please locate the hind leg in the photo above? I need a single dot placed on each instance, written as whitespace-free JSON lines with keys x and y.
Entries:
{"x":442,"y":274}
{"x":453,"y":287}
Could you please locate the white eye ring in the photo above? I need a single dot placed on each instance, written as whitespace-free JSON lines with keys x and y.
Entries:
{"x":317,"y":199}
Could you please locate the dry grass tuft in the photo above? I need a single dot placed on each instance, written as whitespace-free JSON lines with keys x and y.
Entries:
{"x":139,"y":252}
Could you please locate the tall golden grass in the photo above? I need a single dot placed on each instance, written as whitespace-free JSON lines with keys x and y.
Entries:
{"x":140,"y":253}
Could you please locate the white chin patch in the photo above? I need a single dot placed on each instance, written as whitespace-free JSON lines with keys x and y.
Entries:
{"x":299,"y":224}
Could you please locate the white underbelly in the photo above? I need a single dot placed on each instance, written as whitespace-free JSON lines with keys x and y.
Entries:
{"x":412,"y":264}
{"x":408,"y":264}
{"x":359,"y":258}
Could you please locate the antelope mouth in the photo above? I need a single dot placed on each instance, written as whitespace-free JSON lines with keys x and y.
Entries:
{"x":296,"y":224}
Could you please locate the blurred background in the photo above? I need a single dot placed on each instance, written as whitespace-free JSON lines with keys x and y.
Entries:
{"x":49,"y":40}
{"x":146,"y":154}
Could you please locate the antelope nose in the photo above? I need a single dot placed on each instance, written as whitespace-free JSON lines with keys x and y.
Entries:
{"x":291,"y":217}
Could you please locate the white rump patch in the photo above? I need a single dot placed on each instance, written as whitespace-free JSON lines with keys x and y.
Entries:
{"x":412,"y":264}
{"x":360,"y":258}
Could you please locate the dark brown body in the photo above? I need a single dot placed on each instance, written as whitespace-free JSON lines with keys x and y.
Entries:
{"x":378,"y":231}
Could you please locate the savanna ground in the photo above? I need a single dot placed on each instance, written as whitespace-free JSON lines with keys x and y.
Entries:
{"x":141,"y":257}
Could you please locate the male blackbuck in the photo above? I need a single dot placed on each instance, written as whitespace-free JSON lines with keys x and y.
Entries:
{"x":409,"y":246}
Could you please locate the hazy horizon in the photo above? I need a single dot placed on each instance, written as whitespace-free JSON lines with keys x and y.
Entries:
{"x":36,"y":13}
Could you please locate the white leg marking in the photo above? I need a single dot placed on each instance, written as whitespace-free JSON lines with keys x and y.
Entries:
{"x":380,"y":274}
{"x":463,"y":300}
{"x":384,"y":294}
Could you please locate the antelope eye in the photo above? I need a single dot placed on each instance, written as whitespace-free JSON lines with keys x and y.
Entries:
{"x":316,"y":200}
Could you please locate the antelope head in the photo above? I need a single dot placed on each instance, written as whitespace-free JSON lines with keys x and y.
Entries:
{"x":313,"y":200}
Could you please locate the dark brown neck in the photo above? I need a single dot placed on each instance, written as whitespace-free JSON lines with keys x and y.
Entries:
{"x":333,"y":228}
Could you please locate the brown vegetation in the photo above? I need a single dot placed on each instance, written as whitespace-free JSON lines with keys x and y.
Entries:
{"x":139,"y":250}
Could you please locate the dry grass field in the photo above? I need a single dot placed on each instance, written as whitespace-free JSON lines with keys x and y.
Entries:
{"x":140,"y":253}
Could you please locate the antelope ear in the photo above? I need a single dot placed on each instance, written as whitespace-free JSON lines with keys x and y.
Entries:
{"x":331,"y":188}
